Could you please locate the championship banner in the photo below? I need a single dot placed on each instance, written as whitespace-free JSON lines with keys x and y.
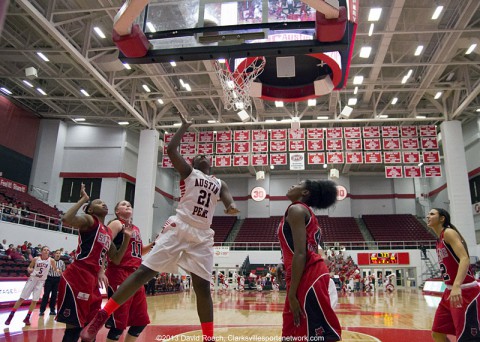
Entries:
{"x":391,"y":143}
{"x":409,"y":131}
{"x":188,"y":149}
{"x":205,"y":136}
{"x":316,"y":158}
{"x":241,"y":160}
{"x":392,"y":157}
{"x":411,"y":157}
{"x":167,"y":137}
{"x":12,"y":185}
{"x":371,"y":144}
{"x":371,"y":132}
{"x":205,"y":148}
{"x":278,"y":146}
{"x":242,"y":135}
{"x":410,"y":143}
{"x":334,"y":132}
{"x":315,"y":145}
{"x":428,"y":131}
{"x":353,"y":144}
{"x":334,"y":144}
{"x":189,"y":137}
{"x":259,"y":160}
{"x":224,"y":136}
{"x":165,"y":147}
{"x":223,"y":160}
{"x":352,"y":132}
{"x":296,"y":145}
{"x":241,"y":147}
{"x":223,"y":148}
{"x":278,"y":134}
{"x":189,"y":159}
{"x":335,"y":158}
{"x":297,"y":161}
{"x":354,"y":157}
{"x":432,"y":170}
{"x":259,"y":146}
{"x":429,"y":143}
{"x":393,"y":172}
{"x":166,"y":162}
{"x":278,"y":159}
{"x":413,"y":171}
{"x":314,"y":133}
{"x":430,"y":157}
{"x":373,"y":157}
{"x":390,"y":132}
{"x":296,"y":133}
{"x":259,"y":134}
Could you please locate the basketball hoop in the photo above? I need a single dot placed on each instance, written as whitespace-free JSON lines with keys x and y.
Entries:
{"x":236,"y":84}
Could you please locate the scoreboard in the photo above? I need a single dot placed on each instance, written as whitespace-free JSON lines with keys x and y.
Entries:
{"x":383,"y":258}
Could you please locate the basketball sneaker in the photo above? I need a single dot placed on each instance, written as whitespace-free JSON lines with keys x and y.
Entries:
{"x":9,"y":319}
{"x":90,"y":331}
{"x":27,"y":320}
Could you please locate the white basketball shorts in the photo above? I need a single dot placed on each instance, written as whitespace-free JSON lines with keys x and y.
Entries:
{"x":32,"y":287}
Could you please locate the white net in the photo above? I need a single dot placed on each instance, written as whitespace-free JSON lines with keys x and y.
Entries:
{"x":236,"y":84}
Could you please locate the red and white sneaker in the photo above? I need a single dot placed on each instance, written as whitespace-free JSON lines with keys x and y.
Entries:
{"x":27,"y":320}
{"x":89,"y":333}
{"x":9,"y":319}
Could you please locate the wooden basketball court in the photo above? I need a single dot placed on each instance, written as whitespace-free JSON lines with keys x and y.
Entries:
{"x":405,"y":315}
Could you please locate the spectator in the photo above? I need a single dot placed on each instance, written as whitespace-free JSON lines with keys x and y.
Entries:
{"x":17,"y":255}
{"x":24,"y":246}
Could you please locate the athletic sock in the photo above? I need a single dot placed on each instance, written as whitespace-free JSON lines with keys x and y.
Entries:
{"x":111,"y":306}
{"x":207,"y":331}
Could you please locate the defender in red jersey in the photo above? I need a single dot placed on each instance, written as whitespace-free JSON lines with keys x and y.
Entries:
{"x":308,"y":314}
{"x":459,"y":310}
{"x":133,"y":313}
{"x":78,"y":293}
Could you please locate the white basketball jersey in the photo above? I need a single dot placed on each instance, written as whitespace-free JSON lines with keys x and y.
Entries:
{"x":199,"y":196}
{"x":41,"y":268}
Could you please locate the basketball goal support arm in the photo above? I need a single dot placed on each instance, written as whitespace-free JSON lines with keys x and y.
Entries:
{"x":328,"y":8}
{"x":131,"y":9}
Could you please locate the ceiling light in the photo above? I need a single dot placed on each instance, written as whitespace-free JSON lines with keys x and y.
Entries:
{"x":437,"y":12}
{"x":151,"y":27}
{"x":160,"y":101}
{"x":312,"y":102}
{"x":374,"y":14}
{"x":221,"y":60}
{"x":84,"y":92}
{"x":270,"y":120}
{"x":322,"y":117}
{"x":346,"y":111}
{"x":40,"y":90}
{"x":286,"y":120}
{"x":421,"y":117}
{"x":123,"y":123}
{"x":99,"y":32}
{"x":6,"y":91}
{"x":410,"y":72}
{"x":42,"y":56}
{"x":187,"y":87}
{"x":243,"y":115}
{"x":352,"y":101}
{"x":177,"y":123}
{"x":324,"y":166}
{"x":212,"y":121}
{"x":278,"y":104}
{"x":147,"y":89}
{"x":405,"y":79}
{"x":420,"y":164}
{"x":172,"y":63}
{"x":79,"y":119}
{"x":470,"y":49}
{"x":438,"y":95}
{"x":28,"y":83}
{"x":358,"y":80}
{"x":365,"y":51}
{"x":127,"y":66}
{"x":419,"y":50}
{"x":181,"y":82}
{"x":370,"y":30}
{"x":383,"y":116}
{"x":478,"y":110}
{"x":450,"y":76}
{"x":394,"y":100}
{"x":272,"y":167}
{"x":355,"y":91}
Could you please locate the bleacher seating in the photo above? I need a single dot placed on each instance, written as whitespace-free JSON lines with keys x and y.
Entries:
{"x":222,"y":225}
{"x":339,"y":229}
{"x":396,"y":228}
{"x":31,"y":202}
{"x":259,"y":230}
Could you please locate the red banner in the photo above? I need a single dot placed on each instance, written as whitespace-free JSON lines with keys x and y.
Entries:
{"x":393,"y":172}
{"x":428,"y":131}
{"x":12,"y":185}
{"x":205,"y":136}
{"x":412,"y":157}
{"x":259,"y":134}
{"x":390,"y":132}
{"x":167,"y":137}
{"x":278,"y":134}
{"x":314,"y":133}
{"x":316,"y":158}
{"x":334,"y":144}
{"x":296,"y":145}
{"x":352,"y":132}
{"x":188,"y":149}
{"x":278,"y":146}
{"x":223,"y":160}
{"x":241,"y":147}
{"x":409,"y":131}
{"x":353,"y":144}
{"x":241,"y":160}
{"x":259,"y":159}
{"x":391,"y":143}
{"x":315,"y":145}
{"x":413,"y":171}
{"x":166,"y":162}
{"x":334,"y":132}
{"x":373,"y":157}
{"x":224,"y":136}
{"x":259,"y":146}
{"x":392,"y":157}
{"x":205,"y":148}
{"x":223,"y":148}
{"x":189,"y":137}
{"x":278,"y":159}
{"x":371,"y":132}
{"x":296,"y":133}
{"x":410,"y":143}
{"x":354,"y":157}
{"x":431,"y":157}
{"x":371,"y":144}
{"x":241,"y":135}
{"x":432,"y":170}
{"x":429,"y":143}
{"x":335,"y":157}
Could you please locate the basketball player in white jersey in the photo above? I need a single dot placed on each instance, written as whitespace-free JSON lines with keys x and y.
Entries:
{"x":38,"y":270}
{"x":186,"y":239}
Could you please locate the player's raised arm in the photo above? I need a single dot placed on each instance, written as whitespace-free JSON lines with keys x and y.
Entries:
{"x":227,"y":199}
{"x":81,"y":221}
{"x":179,"y":163}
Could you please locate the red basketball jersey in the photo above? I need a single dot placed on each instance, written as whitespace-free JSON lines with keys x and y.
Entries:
{"x":93,"y":245}
{"x":449,"y":262}
{"x":133,"y":255}
{"x":286,"y":241}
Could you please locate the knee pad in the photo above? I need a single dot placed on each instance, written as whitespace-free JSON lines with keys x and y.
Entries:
{"x":136,"y":330}
{"x":114,"y":334}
